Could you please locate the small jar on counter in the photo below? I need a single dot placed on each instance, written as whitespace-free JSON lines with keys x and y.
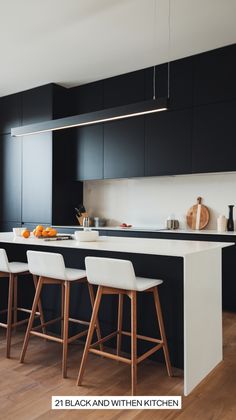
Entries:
{"x":221,"y":223}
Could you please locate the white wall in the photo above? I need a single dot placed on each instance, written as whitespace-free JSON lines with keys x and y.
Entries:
{"x":149,"y":201}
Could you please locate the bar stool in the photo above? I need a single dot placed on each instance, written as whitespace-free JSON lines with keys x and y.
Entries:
{"x":50,"y":268}
{"x":11,"y":270}
{"x":114,"y":276}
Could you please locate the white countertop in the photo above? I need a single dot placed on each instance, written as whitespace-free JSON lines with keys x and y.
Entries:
{"x":153,"y":229}
{"x":175,"y":248}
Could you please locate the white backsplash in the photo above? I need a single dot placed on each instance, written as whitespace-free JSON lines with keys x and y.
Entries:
{"x":149,"y":201}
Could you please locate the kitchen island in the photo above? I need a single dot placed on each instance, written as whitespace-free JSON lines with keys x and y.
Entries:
{"x":191,"y":295}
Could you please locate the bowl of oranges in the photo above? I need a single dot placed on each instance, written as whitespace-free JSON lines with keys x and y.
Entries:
{"x":42,"y":232}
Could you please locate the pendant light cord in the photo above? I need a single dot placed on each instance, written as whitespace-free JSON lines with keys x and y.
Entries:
{"x":154,"y":43}
{"x":169,"y":50}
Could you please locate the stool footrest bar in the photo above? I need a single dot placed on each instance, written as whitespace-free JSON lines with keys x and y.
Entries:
{"x":110,"y":356}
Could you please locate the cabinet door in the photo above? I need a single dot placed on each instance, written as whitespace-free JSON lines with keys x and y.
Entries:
{"x":37,"y":104}
{"x":10,"y":178}
{"x":214,"y":133}
{"x":124,"y":89}
{"x":10,"y":112}
{"x":168,"y":143}
{"x":37,"y":178}
{"x":124,"y":148}
{"x":89,"y":140}
{"x":214,"y":76}
{"x":89,"y":143}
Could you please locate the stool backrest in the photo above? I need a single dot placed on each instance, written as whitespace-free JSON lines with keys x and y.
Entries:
{"x":110,"y":272}
{"x":4,"y":264}
{"x":46,"y":264}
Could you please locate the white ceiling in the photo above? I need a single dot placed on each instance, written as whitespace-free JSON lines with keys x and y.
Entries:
{"x":73,"y":42}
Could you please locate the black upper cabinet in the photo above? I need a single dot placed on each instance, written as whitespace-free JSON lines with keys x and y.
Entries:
{"x":10,"y":178}
{"x":87,"y":98}
{"x":10,"y":113}
{"x":214,"y":133}
{"x":89,"y":143}
{"x":124,"y":139}
{"x":125,"y":89}
{"x":37,"y":104}
{"x":214,"y":76}
{"x":124,"y":148}
{"x":168,"y":143}
{"x":89,"y":140}
{"x":159,"y":84}
{"x":178,"y":77}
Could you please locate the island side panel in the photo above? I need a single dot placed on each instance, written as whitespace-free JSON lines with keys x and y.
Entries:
{"x":202,"y":315}
{"x":169,"y":269}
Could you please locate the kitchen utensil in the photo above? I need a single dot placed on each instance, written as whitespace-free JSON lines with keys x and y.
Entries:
{"x":198,"y":216}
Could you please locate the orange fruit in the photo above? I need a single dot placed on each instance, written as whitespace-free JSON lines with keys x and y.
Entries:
{"x":26,"y":233}
{"x":37,"y":233}
{"x":52,"y":232}
{"x":48,"y":229}
{"x":39,"y":227}
{"x":44,"y":233}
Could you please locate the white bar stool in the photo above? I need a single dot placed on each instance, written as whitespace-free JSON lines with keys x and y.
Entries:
{"x":50,"y":268}
{"x":114,"y":276}
{"x":11,"y":270}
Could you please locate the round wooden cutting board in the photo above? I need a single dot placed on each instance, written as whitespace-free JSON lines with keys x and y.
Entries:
{"x":198,"y":216}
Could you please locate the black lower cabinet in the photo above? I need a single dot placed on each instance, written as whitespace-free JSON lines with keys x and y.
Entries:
{"x":214,"y":131}
{"x":168,"y":143}
{"x":124,"y":148}
{"x":10,"y":178}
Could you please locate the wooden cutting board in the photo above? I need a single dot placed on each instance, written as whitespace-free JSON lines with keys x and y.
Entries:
{"x":198,"y":216}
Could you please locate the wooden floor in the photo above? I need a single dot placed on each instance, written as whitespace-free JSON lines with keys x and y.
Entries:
{"x":26,"y":390}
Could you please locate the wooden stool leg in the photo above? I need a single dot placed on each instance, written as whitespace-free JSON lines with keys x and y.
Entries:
{"x":133,"y":341}
{"x":90,"y":334}
{"x":65,"y":328}
{"x":92,"y":299}
{"x":162,"y":330}
{"x":31,"y":319}
{"x":15,"y":293}
{"x":9,"y":313}
{"x":62,"y":307}
{"x":42,"y":320}
{"x":119,"y":324}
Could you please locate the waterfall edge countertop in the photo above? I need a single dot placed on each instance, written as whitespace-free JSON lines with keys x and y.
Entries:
{"x":177,"y":248}
{"x":192,"y":290}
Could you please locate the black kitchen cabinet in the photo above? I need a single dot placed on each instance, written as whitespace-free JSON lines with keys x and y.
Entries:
{"x":87,"y":98}
{"x":89,"y":144}
{"x":88,"y":140}
{"x":214,"y":133}
{"x":37,"y":178}
{"x":214,"y":75}
{"x":168,"y":143}
{"x":10,"y":175}
{"x":37,"y":104}
{"x":10,"y":112}
{"x":174,"y":79}
{"x":125,"y":89}
{"x":124,"y":148}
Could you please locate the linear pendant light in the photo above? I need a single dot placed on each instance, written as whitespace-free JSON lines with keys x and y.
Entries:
{"x":110,"y":114}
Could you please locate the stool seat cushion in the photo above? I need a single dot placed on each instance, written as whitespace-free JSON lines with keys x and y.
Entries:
{"x":17,"y":267}
{"x":74,"y":274}
{"x":143,"y":283}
